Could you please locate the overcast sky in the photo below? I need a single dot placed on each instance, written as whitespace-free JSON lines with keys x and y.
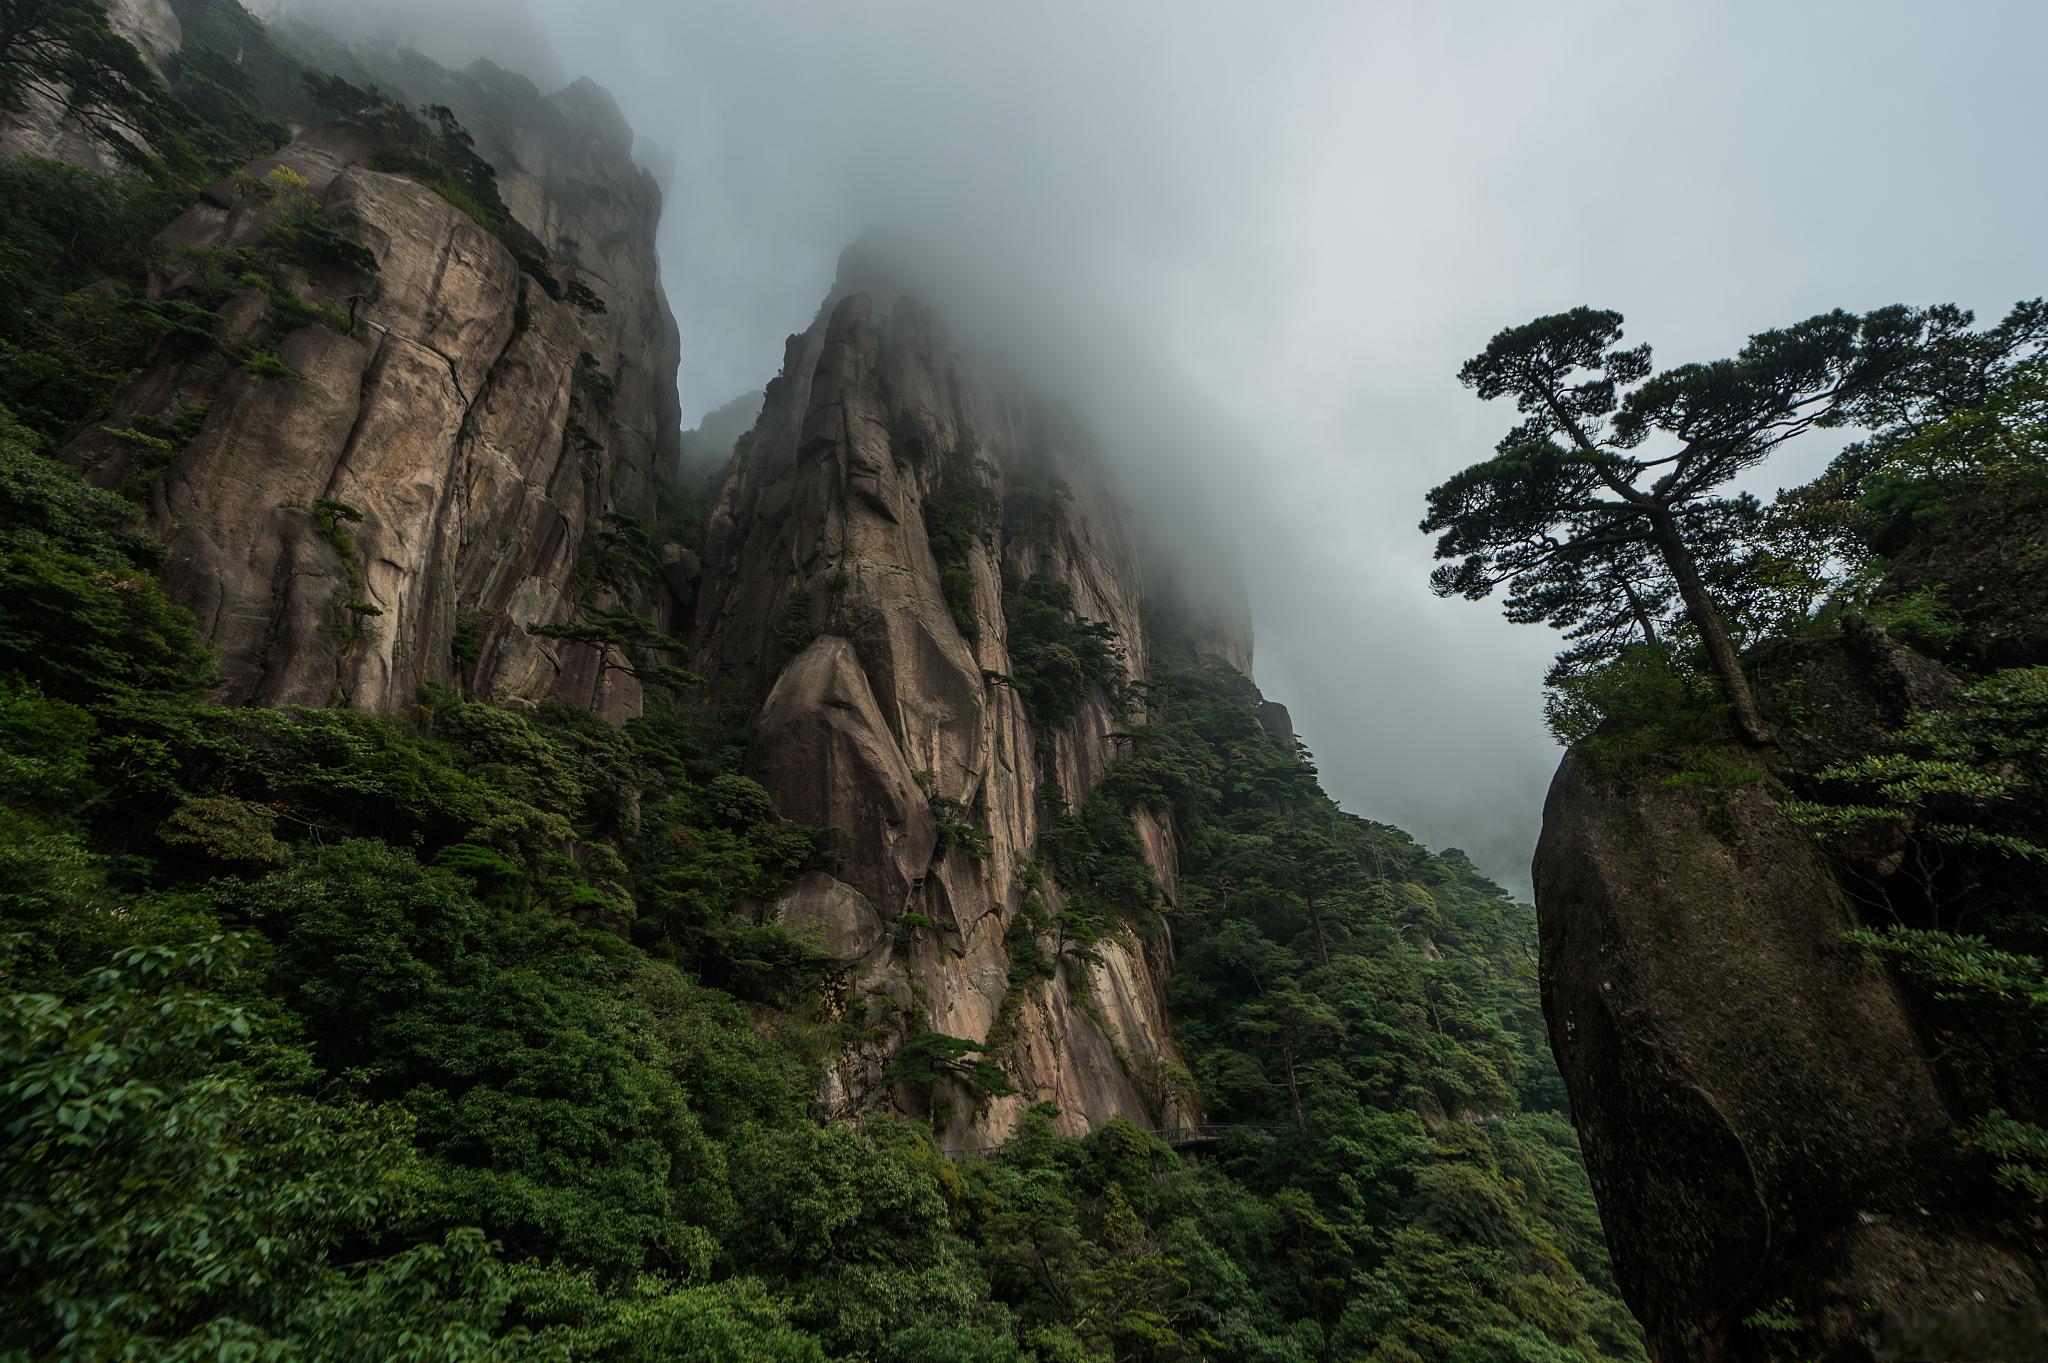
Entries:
{"x":1288,"y":224}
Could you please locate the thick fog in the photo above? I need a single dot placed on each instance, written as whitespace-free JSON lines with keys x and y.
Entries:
{"x":1259,"y":240}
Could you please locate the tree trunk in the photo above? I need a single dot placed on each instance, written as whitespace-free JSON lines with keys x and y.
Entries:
{"x":1749,"y":719}
{"x":1294,"y":1089}
{"x":1643,"y":621}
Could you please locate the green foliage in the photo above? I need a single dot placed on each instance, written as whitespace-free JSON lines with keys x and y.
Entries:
{"x":432,"y":147}
{"x":166,"y":1200}
{"x":572,"y":1135}
{"x":76,"y":318}
{"x":960,"y":510}
{"x":960,"y":829}
{"x":1335,"y":984}
{"x":681,"y":513}
{"x":1960,"y":421}
{"x":1937,"y":825}
{"x":266,"y":364}
{"x":2020,"y":1152}
{"x":1599,"y":511}
{"x":798,"y":627}
{"x":75,"y":321}
{"x":625,"y":640}
{"x":65,"y":53}
{"x":1032,"y":500}
{"x":227,"y":829}
{"x":1970,"y":777}
{"x":1649,"y":698}
{"x":297,"y":226}
{"x":1057,"y":657}
{"x":44,"y":747}
{"x":1961,"y":968}
{"x":1971,"y":423}
{"x":155,"y":442}
{"x":930,"y":1061}
{"x":1108,"y":887}
{"x":79,"y":609}
{"x":1920,"y":619}
{"x":657,"y":1320}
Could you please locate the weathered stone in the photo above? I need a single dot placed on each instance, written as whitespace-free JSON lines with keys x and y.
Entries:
{"x":681,"y":570}
{"x":441,"y":419}
{"x":1749,"y":1087}
{"x":823,"y":749}
{"x":1275,"y":720}
{"x":833,"y":917}
{"x":823,"y":516}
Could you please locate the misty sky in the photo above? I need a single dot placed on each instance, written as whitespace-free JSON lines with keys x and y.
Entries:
{"x":1276,"y":231}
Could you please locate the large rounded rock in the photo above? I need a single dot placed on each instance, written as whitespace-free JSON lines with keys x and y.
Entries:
{"x":1748,"y":1086}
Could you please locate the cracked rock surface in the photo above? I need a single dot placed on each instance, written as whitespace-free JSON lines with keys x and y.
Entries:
{"x":897,"y":704}
{"x":430,"y":469}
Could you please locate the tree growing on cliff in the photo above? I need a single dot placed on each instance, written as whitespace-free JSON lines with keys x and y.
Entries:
{"x":65,"y":52}
{"x":1606,"y":502}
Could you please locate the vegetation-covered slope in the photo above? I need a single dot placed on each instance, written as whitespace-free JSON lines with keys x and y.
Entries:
{"x":463,"y":1032}
{"x":307,"y":1006}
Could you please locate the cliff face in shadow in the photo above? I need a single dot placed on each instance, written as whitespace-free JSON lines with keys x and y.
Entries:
{"x":44,"y":122}
{"x":861,"y":578}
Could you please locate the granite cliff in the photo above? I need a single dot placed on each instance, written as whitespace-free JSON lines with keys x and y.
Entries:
{"x":403,"y":480}
{"x":890,"y":500}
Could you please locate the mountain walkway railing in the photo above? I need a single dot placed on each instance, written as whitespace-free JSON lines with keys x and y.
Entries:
{"x":1176,"y":1137}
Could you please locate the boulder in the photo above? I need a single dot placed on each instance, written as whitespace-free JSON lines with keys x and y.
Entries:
{"x":833,"y":916}
{"x":1749,"y":1088}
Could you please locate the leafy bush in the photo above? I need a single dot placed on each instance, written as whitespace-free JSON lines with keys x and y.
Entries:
{"x":165,"y":1201}
{"x":432,"y":147}
{"x":79,"y":608}
{"x":1057,"y":658}
{"x":959,"y":511}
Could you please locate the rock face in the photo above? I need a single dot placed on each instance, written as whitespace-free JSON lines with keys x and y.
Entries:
{"x":1756,"y":1104}
{"x":419,"y":488}
{"x":899,"y":703}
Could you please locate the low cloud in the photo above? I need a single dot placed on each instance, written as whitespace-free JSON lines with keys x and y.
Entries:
{"x":1273,"y":236}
